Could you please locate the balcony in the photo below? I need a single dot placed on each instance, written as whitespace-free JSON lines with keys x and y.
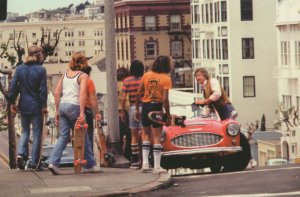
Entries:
{"x":286,"y":73}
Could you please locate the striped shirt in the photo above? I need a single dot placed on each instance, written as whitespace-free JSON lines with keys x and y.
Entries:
{"x":131,"y":86}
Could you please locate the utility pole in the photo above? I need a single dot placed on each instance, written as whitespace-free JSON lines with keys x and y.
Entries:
{"x":112,"y":98}
{"x":11,"y":124}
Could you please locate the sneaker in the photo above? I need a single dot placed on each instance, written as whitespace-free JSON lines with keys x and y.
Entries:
{"x":54,"y":169}
{"x":134,"y":166}
{"x":94,"y":169}
{"x":146,"y":168}
{"x":159,"y":171}
{"x":20,"y":162}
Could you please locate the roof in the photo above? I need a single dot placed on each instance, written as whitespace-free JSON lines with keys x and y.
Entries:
{"x":266,"y":135}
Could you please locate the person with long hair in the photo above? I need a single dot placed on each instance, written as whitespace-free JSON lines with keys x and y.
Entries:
{"x":214,"y":94}
{"x":130,"y":87}
{"x":155,"y":86}
{"x":30,"y":82}
{"x":70,"y":97}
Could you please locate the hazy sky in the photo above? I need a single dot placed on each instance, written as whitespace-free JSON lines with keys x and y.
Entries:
{"x":27,"y":6}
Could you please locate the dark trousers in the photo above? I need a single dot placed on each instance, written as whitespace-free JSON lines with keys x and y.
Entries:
{"x":90,"y":121}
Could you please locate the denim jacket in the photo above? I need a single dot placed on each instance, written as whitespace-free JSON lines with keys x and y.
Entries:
{"x":30,"y":81}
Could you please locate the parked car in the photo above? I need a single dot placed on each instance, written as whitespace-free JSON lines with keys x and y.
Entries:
{"x":67,"y":159}
{"x":276,"y":161}
{"x":205,"y":141}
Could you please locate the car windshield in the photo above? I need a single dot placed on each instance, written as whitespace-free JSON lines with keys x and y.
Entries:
{"x":194,"y":111}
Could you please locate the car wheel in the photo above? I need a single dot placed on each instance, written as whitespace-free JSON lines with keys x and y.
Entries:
{"x":215,"y":168}
{"x":239,"y":161}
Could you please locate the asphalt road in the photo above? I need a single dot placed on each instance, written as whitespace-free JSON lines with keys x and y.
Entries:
{"x":258,"y":182}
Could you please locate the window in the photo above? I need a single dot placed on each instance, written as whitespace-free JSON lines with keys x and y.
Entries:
{"x":211,"y":12}
{"x":246,"y":10}
{"x":297,"y":53}
{"x":150,"y":23}
{"x":176,"y":48}
{"x":217,"y":14}
{"x":203,"y":49}
{"x":175,"y":22}
{"x":223,"y":11}
{"x":197,"y":49}
{"x":206,"y":13}
{"x":248,"y":48}
{"x":202,"y":13}
{"x":212,"y":49}
{"x":208,"y":49}
{"x":249,"y":86}
{"x":196,"y":14}
{"x":33,"y":35}
{"x":287,"y":101}
{"x":285,"y":52}
{"x":226,"y":84}
{"x":225,"y":49}
{"x":150,"y":50}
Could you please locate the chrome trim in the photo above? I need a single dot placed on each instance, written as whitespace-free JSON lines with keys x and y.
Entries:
{"x":232,"y":149}
{"x":194,"y":123}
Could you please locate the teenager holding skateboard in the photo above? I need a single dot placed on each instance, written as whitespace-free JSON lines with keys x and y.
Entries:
{"x":155,"y":86}
{"x":30,"y":81}
{"x":91,"y":106}
{"x":70,"y":97}
{"x":131,"y":85}
{"x":214,"y":94}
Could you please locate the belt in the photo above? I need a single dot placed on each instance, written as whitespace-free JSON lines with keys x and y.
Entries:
{"x":155,"y":102}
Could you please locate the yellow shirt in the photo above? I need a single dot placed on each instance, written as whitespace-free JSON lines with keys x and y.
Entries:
{"x":154,"y":85}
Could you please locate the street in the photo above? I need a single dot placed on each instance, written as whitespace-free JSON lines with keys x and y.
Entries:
{"x":281,"y":180}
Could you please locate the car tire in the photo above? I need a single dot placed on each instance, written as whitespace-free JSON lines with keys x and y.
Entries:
{"x":215,"y":168}
{"x":239,"y":161}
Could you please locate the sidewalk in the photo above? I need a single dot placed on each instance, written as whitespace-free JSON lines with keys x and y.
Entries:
{"x":110,"y":182}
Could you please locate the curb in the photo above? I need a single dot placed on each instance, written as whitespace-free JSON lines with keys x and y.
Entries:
{"x":163,"y":181}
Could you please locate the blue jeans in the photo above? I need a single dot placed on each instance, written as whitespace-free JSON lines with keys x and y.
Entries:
{"x":68,"y":114}
{"x":225,"y":111}
{"x":37,"y":129}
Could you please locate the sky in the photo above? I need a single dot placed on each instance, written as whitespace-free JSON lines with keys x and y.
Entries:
{"x":26,"y":6}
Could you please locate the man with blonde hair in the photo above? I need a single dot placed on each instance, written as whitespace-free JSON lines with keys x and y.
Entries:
{"x":30,"y":82}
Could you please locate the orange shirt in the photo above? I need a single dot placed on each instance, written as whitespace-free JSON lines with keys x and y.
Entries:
{"x":90,"y":91}
{"x":154,"y":85}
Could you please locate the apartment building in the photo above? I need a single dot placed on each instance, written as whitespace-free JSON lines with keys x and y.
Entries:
{"x":287,"y":72}
{"x":146,"y":29}
{"x":236,"y":42}
{"x":78,"y":35}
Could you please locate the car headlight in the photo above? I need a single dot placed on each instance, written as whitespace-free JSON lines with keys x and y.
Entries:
{"x":233,"y":129}
{"x":163,"y":136}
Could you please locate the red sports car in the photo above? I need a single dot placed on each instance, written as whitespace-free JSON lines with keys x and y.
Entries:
{"x":205,"y":141}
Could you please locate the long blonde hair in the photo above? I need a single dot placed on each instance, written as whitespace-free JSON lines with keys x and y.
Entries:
{"x":35,"y":55}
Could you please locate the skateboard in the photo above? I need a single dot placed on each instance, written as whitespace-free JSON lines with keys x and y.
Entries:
{"x":161,"y":118}
{"x":41,"y":158}
{"x":104,"y":154}
{"x":79,"y":139}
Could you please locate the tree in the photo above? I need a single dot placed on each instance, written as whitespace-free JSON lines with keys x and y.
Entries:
{"x":285,"y":113}
{"x":263,"y":123}
{"x":48,"y":47}
{"x":4,"y":54}
{"x":18,"y":48}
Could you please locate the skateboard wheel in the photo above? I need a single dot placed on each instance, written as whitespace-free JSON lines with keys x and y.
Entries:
{"x":84,"y":162}
{"x":86,"y":126}
{"x":77,"y":126}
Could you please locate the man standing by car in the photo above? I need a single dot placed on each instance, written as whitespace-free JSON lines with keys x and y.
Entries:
{"x":214,"y":94}
{"x":30,"y":81}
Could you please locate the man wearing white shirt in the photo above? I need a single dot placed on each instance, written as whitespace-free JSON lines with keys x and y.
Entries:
{"x":214,"y":94}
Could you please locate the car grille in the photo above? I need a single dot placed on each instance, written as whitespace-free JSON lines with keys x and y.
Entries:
{"x":196,"y":139}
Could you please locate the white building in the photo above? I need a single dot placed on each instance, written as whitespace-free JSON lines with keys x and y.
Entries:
{"x":79,"y":35}
{"x":288,"y":70}
{"x":236,"y":42}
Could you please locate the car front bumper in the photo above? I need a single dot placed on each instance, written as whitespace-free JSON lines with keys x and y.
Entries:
{"x":213,"y":150}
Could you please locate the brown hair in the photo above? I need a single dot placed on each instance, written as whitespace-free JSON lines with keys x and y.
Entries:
{"x":203,"y":71}
{"x":162,"y":64}
{"x":35,"y":55}
{"x":78,"y":61}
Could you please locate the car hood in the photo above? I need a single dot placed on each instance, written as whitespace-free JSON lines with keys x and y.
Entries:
{"x":195,"y":125}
